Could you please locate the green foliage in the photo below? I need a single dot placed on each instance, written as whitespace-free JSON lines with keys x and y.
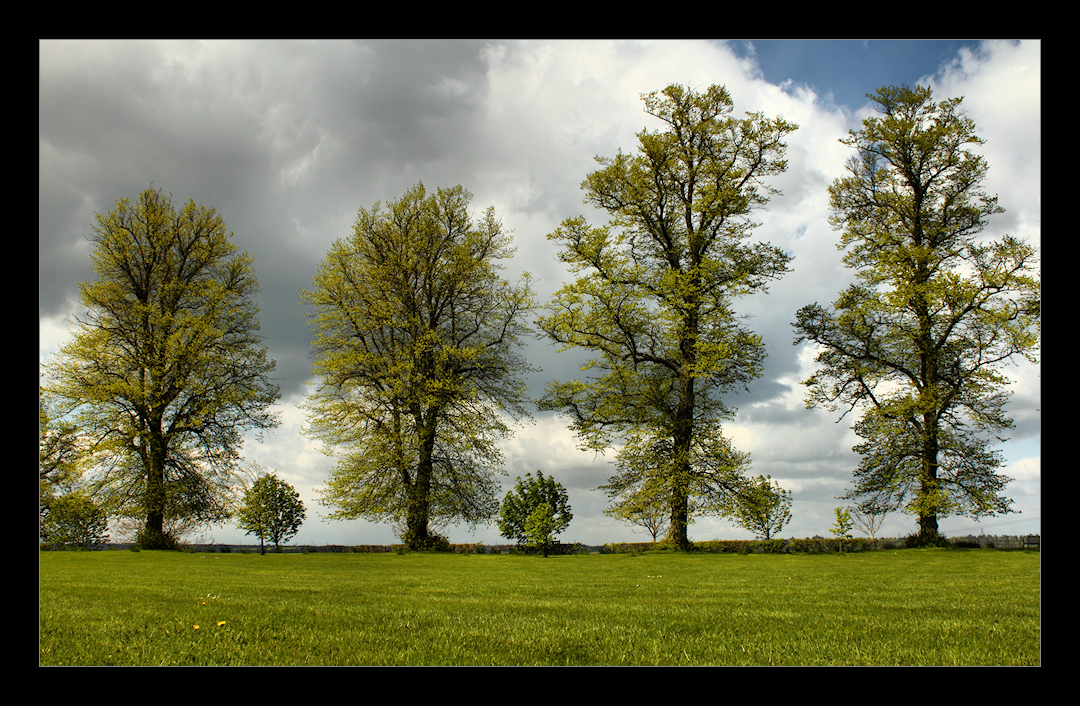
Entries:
{"x":920,"y":540}
{"x":539,"y":529}
{"x":763,"y":507}
{"x":917,"y":344}
{"x":74,"y":520}
{"x":535,"y":511}
{"x":842,"y":528}
{"x":416,"y":351}
{"x":272,"y":510}
{"x":62,"y":454}
{"x":771,"y":546}
{"x":741,"y":546}
{"x":633,"y":509}
{"x":431,"y":542}
{"x":652,"y":300}
{"x":166,"y":370}
{"x":165,"y":540}
{"x":820,"y":545}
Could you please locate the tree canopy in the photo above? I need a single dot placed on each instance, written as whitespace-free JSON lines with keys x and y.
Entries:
{"x":416,"y":351}
{"x":166,"y":370}
{"x":918,"y":342}
{"x":763,"y":507}
{"x":535,"y":511}
{"x":653,"y":294}
{"x":271,"y":510}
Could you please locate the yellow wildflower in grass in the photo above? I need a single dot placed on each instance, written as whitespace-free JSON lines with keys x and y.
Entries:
{"x":194,"y":627}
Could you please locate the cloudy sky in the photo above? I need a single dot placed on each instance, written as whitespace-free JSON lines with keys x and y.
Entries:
{"x":288,"y":139}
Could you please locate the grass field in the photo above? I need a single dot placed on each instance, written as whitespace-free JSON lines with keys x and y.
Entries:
{"x":908,"y":607}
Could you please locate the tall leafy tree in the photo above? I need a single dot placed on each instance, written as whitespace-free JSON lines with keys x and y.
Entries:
{"x":417,"y":354}
{"x":166,"y":370}
{"x":918,"y":342}
{"x":272,"y":510}
{"x":653,"y":298}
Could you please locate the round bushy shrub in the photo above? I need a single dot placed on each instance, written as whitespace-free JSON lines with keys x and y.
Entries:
{"x":74,"y":521}
{"x":152,"y":539}
{"x":922,"y":541}
{"x":434,"y":542}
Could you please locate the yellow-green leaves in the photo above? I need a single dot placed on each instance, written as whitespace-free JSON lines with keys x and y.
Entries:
{"x":916,"y":345}
{"x":653,"y":290}
{"x":272,"y":510}
{"x":416,"y":350}
{"x":762,"y":507}
{"x":167,"y":369}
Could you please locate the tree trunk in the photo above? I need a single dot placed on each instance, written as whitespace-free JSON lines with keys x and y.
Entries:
{"x":418,"y":537}
{"x":679,"y":511}
{"x":682,"y":442}
{"x":154,"y":531}
{"x":928,"y":515}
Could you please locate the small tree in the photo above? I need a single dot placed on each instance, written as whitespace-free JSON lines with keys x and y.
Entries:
{"x":763,"y":508}
{"x":842,"y":528}
{"x":272,"y":510}
{"x":539,"y":529}
{"x":652,"y":517}
{"x":74,"y":520}
{"x":869,"y":518}
{"x":524,"y":517}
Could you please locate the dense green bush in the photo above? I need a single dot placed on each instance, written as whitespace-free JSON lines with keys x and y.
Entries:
{"x":934,"y":539}
{"x":771,"y":546}
{"x":555,"y":549}
{"x":434,"y":542}
{"x":820,"y":545}
{"x":152,"y":539}
{"x":715,"y":546}
{"x":74,"y":520}
{"x":477,"y":548}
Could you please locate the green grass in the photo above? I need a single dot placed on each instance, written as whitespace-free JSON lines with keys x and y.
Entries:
{"x":910,"y":607}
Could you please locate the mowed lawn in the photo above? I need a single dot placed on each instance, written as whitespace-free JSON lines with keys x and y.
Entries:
{"x":907,"y":607}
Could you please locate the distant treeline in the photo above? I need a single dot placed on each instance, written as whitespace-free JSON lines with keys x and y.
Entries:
{"x":811,"y":545}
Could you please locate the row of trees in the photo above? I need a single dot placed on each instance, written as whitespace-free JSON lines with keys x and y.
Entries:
{"x":417,"y":336}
